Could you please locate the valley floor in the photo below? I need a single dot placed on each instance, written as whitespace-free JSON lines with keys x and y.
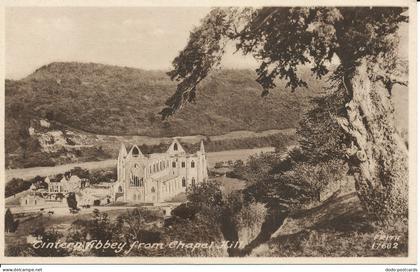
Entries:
{"x":212,"y":158}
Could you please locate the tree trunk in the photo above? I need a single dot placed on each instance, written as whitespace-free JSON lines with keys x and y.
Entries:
{"x":378,"y":157}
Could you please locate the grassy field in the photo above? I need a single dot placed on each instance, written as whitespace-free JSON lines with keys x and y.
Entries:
{"x":231,"y":184}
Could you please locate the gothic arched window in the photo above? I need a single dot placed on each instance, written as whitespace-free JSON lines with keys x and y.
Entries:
{"x":136,"y":151}
{"x":175,"y":147}
{"x":184,"y":183}
{"x":136,"y":181}
{"x":193,"y":181}
{"x":192,"y":164}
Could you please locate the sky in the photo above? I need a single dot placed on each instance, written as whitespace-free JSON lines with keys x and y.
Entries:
{"x":141,"y":37}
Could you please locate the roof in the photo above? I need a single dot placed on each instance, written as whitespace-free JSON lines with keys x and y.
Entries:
{"x":161,"y":149}
{"x":71,"y":179}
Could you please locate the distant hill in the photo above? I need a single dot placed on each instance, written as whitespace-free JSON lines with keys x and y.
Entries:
{"x":112,"y":100}
{"x":95,"y":99}
{"x":105,"y":99}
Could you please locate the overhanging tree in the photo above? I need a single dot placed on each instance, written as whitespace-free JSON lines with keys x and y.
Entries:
{"x":359,"y":46}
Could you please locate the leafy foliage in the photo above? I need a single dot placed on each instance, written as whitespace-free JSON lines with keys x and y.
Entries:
{"x":193,"y":231}
{"x":319,"y":135}
{"x":208,"y":198}
{"x":278,"y":186}
{"x":17,"y":185}
{"x":71,"y":201}
{"x":185,"y":211}
{"x":10,"y":223}
{"x":80,"y":172}
{"x":307,"y":171}
{"x":99,"y":227}
{"x":284,"y":38}
{"x":47,"y":236}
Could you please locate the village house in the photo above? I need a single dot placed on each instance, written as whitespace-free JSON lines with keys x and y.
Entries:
{"x":31,"y":200}
{"x":69,"y":183}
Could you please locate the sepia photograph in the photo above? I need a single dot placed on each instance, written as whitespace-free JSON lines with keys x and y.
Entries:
{"x":255,"y":133}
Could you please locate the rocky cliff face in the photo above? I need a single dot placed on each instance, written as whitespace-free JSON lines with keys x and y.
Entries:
{"x":249,"y":223}
{"x":47,"y":143}
{"x":53,"y":139}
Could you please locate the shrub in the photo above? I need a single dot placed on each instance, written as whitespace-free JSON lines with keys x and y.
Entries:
{"x":185,"y":211}
{"x":16,"y":185}
{"x":10,"y":223}
{"x":71,"y":201}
